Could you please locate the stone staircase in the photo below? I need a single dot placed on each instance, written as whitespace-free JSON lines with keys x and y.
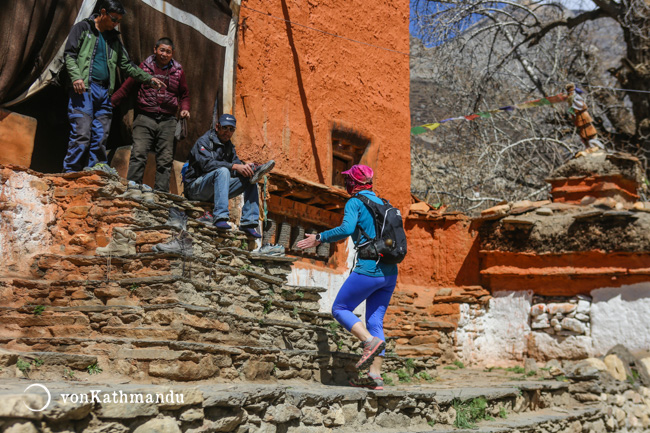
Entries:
{"x":248,"y":352}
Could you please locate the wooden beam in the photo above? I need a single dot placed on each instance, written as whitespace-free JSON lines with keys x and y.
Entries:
{"x":303,"y":212}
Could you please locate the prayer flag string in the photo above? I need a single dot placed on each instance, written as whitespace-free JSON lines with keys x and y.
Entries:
{"x":561,"y":97}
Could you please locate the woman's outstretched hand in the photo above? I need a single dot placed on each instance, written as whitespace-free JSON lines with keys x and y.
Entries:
{"x":309,"y":242}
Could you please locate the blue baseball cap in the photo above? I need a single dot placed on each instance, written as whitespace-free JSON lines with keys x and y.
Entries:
{"x":227,"y":120}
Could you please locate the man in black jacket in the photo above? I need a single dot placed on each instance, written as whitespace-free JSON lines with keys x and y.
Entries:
{"x":216,"y":173}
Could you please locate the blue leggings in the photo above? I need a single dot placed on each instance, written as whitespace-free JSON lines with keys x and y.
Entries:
{"x":376,"y":291}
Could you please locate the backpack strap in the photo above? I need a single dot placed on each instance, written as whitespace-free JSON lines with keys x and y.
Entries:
{"x":366,"y":201}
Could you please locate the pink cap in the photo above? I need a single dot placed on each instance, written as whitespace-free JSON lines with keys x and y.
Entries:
{"x":361,"y":174}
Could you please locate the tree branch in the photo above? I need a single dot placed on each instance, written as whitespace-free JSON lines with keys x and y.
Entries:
{"x":535,"y":38}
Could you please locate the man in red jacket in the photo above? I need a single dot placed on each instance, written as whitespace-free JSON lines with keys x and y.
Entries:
{"x":156,"y":110}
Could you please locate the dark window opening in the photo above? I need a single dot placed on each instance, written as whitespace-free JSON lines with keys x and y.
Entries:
{"x":347,"y":149}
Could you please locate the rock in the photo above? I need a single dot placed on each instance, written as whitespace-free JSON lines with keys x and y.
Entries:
{"x":15,"y":406}
{"x":538,"y":309}
{"x":563,"y":308}
{"x":582,"y":317}
{"x":615,"y":367}
{"x":159,"y":425}
{"x":573,"y":325}
{"x":257,"y":370}
{"x":21,"y":427}
{"x":444,"y":292}
{"x":554,"y":366}
{"x":335,"y":417}
{"x":7,"y":358}
{"x":311,"y":416}
{"x":226,"y":419}
{"x":191,"y":415}
{"x":625,"y":356}
{"x":184,"y":370}
{"x":587,"y":369}
{"x":495,"y":211}
{"x":392,"y":420}
{"x":282,"y":413}
{"x":540,"y":322}
{"x":59,"y":411}
{"x":643,"y":368}
{"x":120,"y":410}
{"x":184,"y":397}
{"x":231,"y":399}
{"x":530,"y":365}
{"x":544,"y":211}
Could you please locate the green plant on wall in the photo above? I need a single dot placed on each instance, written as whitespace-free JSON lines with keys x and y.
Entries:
{"x":468,"y":412}
{"x":94,"y":369}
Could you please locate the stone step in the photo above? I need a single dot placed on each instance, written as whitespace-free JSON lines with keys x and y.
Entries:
{"x":55,"y":267}
{"x":147,"y":290}
{"x":292,"y":408}
{"x":223,"y":291}
{"x":173,"y":321}
{"x":163,"y":360}
{"x":539,"y":421}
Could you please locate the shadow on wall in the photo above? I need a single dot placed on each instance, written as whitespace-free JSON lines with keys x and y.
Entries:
{"x":631,"y":293}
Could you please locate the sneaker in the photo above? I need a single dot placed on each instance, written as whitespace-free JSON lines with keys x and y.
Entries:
{"x":261,"y":170}
{"x":103,"y":167}
{"x":132,"y":192}
{"x":207,"y":218}
{"x":222,"y":225}
{"x":181,"y":244}
{"x":122,"y":243}
{"x":250,"y":231}
{"x":270,"y":250}
{"x":371,"y":349}
{"x":177,"y":218}
{"x":369,"y":381}
{"x":147,"y":194}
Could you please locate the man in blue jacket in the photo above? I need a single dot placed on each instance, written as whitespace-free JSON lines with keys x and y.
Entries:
{"x":215,"y":172}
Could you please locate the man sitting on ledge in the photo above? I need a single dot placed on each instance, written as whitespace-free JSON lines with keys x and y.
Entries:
{"x":216,"y":173}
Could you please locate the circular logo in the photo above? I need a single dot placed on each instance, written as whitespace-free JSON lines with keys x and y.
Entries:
{"x":47,"y":391}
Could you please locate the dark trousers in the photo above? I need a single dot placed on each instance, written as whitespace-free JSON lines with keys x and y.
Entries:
{"x":157,"y":136}
{"x":90,"y":116}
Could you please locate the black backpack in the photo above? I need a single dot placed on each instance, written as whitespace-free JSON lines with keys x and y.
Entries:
{"x":389,"y":245}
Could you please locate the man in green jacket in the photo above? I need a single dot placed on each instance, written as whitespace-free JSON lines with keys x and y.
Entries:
{"x":92,"y":54}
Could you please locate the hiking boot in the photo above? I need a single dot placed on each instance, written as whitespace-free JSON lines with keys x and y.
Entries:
{"x":103,"y":167}
{"x":371,"y":349}
{"x":147,"y":194}
{"x":122,"y":243}
{"x":207,"y":218}
{"x":132,"y":192}
{"x":261,"y":170}
{"x":370,"y":381}
{"x":270,"y":250}
{"x":181,"y":244}
{"x":177,"y":218}
{"x":250,"y":231}
{"x":222,"y":225}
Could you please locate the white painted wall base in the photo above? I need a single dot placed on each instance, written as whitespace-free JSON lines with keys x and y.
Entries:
{"x":496,"y":335}
{"x":311,"y":276}
{"x":621,"y":315}
{"x":501,"y":335}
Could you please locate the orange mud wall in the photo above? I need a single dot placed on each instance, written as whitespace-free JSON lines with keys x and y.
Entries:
{"x":294,"y":85}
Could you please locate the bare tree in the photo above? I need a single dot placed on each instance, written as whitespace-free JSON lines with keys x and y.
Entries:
{"x":526,"y":24}
{"x":487,"y":54}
